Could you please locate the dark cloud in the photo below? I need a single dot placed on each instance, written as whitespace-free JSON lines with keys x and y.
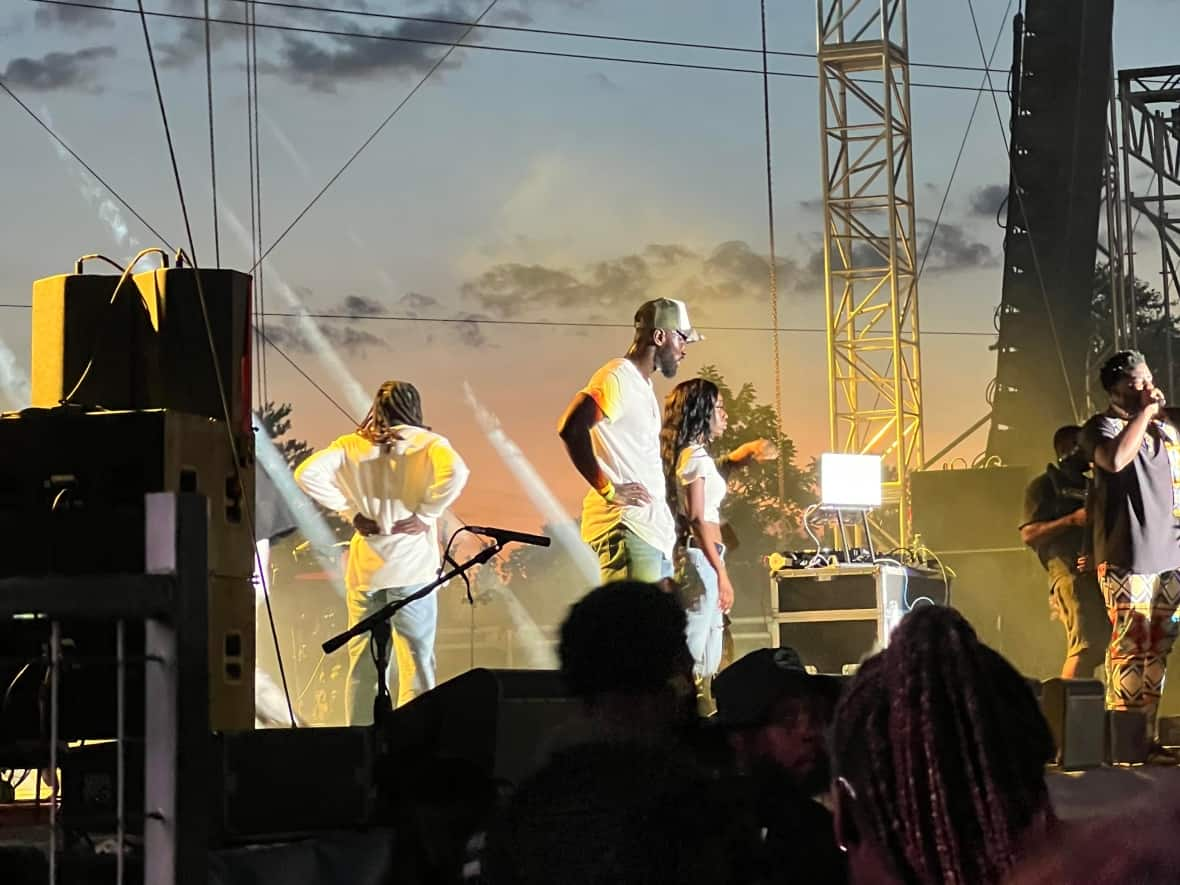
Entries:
{"x":667,"y":253}
{"x":731,"y":271}
{"x":359,"y":305}
{"x":470,"y":332}
{"x":814,"y":204}
{"x":602,"y":81}
{"x":186,"y":39}
{"x":340,"y":333}
{"x":736,"y":264}
{"x":987,"y":200}
{"x":412,"y":302}
{"x":75,"y":17}
{"x":810,"y":279}
{"x":58,"y":70}
{"x":320,"y":63}
{"x":952,"y":248}
{"x":510,"y":289}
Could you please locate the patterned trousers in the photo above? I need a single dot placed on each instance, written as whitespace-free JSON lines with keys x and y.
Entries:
{"x":1142,"y":610}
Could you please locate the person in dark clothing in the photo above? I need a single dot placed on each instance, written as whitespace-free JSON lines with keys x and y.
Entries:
{"x":1055,"y":527}
{"x":939,"y":751}
{"x":776,"y":716}
{"x":1135,"y":448}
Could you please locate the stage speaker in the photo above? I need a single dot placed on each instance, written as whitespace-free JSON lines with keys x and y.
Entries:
{"x":1061,"y":89}
{"x":187,"y":378}
{"x":1127,"y":741}
{"x":498,"y":722}
{"x":971,"y":509}
{"x":72,"y":487}
{"x":1075,"y":711}
{"x":271,"y":784}
{"x":1169,"y":731}
{"x":147,"y":346}
{"x":81,"y":329}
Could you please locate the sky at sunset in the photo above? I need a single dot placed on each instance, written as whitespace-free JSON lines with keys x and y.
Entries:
{"x":519,"y":207}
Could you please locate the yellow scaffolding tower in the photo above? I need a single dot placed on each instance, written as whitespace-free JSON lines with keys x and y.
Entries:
{"x":870,"y":261}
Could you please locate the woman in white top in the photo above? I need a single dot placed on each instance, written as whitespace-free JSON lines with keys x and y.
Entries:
{"x":694,"y":416}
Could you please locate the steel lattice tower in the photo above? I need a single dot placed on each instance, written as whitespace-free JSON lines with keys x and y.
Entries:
{"x":870,"y":261}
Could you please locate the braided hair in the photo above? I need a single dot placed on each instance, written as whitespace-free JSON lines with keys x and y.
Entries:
{"x":940,"y":747}
{"x":396,"y":402}
{"x":688,"y":415}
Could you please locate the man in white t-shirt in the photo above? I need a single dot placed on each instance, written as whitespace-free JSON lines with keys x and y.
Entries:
{"x":392,"y":479}
{"x":611,"y":430}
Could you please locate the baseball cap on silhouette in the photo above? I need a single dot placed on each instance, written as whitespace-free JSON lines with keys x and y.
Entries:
{"x":666,"y":313}
{"x":747,"y":690}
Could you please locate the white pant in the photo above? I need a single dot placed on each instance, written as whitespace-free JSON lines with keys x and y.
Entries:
{"x":411,"y":668}
{"x":705,"y":629}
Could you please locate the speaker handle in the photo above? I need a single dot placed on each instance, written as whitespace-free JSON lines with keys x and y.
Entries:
{"x":95,"y":256}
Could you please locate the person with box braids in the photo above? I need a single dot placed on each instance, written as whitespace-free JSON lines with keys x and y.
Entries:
{"x":939,"y":749}
{"x":695,"y":485}
{"x":392,"y":478}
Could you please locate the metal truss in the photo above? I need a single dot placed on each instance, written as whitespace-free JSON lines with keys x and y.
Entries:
{"x":1121,"y":332}
{"x":870,"y":255}
{"x":1150,"y":100}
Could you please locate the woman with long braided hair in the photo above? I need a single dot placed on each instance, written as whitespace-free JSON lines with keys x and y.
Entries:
{"x":695,"y":484}
{"x":939,"y":751}
{"x":392,"y":478}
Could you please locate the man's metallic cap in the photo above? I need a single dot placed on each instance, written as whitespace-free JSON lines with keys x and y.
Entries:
{"x":667,"y":313}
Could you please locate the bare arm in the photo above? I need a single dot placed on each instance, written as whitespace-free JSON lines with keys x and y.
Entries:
{"x":1114,"y":454}
{"x":747,"y":453}
{"x":1035,"y":532}
{"x":574,"y":429}
{"x":581,"y":415}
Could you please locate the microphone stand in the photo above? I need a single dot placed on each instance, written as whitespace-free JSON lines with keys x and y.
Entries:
{"x":377,"y":626}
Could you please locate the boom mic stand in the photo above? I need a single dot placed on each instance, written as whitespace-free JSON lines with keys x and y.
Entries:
{"x":377,"y":626}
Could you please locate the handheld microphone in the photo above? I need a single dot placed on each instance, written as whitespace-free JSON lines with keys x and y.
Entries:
{"x":505,"y":536}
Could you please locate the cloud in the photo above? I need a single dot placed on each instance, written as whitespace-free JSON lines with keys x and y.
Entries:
{"x":74,"y":17}
{"x":188,"y":41}
{"x":339,"y":333}
{"x":667,"y":253}
{"x":320,"y":63}
{"x":470,"y":332}
{"x":732,"y":271}
{"x":602,"y":81}
{"x":58,"y":70}
{"x":413,"y":302}
{"x":359,"y":305}
{"x":735,"y":264}
{"x":987,"y":200}
{"x":952,"y":248}
{"x":351,"y":334}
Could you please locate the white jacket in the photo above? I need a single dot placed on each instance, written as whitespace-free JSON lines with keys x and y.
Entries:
{"x":420,"y":475}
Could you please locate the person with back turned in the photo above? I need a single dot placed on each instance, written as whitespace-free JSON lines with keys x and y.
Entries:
{"x":392,"y":478}
{"x":1135,"y":448}
{"x":1054,"y":526}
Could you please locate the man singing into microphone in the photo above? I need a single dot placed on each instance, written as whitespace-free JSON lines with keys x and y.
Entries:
{"x":392,"y":479}
{"x":1135,"y":448}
